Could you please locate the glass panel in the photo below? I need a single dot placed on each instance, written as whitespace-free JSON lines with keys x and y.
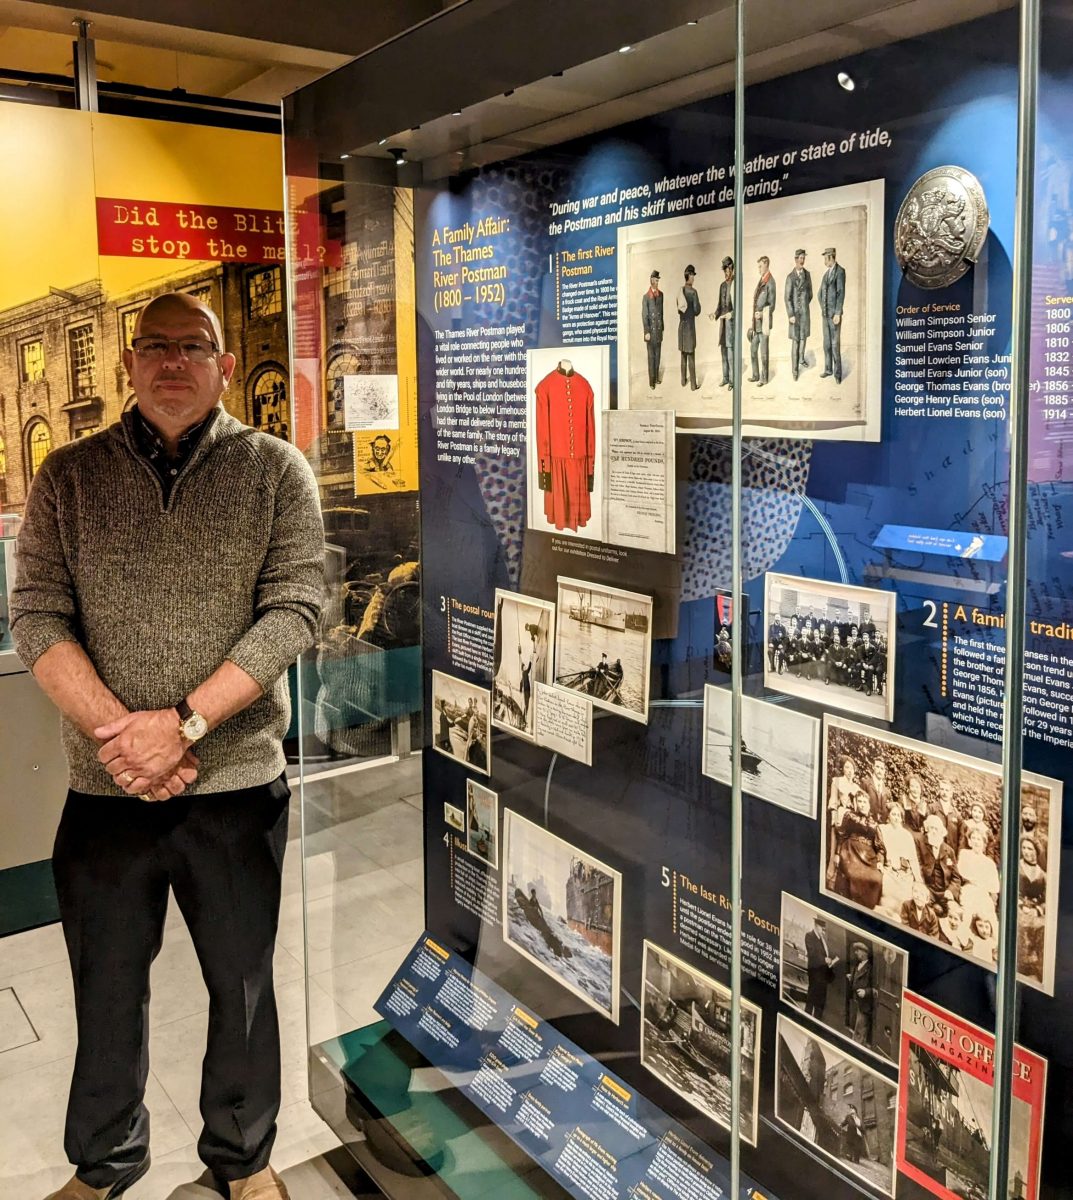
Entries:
{"x":32,"y":361}
{"x":40,"y":440}
{"x":83,"y":358}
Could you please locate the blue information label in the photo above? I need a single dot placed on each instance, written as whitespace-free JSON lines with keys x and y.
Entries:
{"x":950,"y":543}
{"x":592,"y":1132}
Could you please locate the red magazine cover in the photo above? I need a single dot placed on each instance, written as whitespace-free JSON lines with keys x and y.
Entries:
{"x":945,"y":1104}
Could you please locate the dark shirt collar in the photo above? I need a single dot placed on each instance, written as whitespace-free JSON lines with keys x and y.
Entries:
{"x":151,"y":444}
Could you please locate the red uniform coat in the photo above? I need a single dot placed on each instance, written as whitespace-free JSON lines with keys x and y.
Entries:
{"x":566,"y":446}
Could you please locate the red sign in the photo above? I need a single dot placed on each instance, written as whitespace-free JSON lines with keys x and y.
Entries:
{"x":154,"y":229}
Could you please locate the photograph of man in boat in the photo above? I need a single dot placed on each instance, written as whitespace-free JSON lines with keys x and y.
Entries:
{"x":461,"y":721}
{"x":836,"y":1104}
{"x":830,"y":643}
{"x":780,"y":749}
{"x":846,"y":979}
{"x":562,"y":911}
{"x":685,"y":1039}
{"x":521,"y":659}
{"x":911,"y":834}
{"x":603,"y":646}
{"x":725,"y":611}
{"x":482,"y":822}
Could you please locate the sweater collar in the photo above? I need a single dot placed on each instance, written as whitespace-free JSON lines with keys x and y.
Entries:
{"x":219,"y":425}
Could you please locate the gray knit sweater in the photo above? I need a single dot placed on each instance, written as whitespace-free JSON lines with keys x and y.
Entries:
{"x":160,"y":595}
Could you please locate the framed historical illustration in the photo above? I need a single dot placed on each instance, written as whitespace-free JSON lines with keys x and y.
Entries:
{"x":482,"y":822}
{"x":522,"y":658}
{"x":603,"y":646}
{"x":911,"y":835}
{"x":461,"y":722}
{"x":830,"y":643}
{"x":562,"y":910}
{"x":685,"y":1039}
{"x":812,"y":331}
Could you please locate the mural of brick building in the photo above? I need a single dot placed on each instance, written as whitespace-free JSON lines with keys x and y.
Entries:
{"x":61,"y":367}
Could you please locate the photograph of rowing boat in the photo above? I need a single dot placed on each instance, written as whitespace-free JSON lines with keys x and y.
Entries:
{"x":685,"y":1039}
{"x":780,"y":750}
{"x":461,"y":718}
{"x":562,"y":911}
{"x":521,"y":659}
{"x":603,"y":646}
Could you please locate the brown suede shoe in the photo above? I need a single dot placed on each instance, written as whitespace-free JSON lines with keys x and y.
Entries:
{"x":75,"y":1189}
{"x":265,"y":1185}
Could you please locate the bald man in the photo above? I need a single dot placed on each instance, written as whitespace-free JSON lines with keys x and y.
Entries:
{"x":169,"y":570}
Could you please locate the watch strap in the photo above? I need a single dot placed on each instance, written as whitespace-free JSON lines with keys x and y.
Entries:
{"x":184,"y":710}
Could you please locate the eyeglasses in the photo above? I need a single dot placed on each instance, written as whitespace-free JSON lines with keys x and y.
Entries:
{"x":195,"y":350}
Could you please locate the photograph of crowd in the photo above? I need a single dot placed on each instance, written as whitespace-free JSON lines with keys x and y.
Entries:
{"x":842,"y":977}
{"x":461,"y":715}
{"x":911,"y":834}
{"x":830,"y":643}
{"x":685,"y":1039}
{"x":836,"y":1104}
{"x":521,"y":658}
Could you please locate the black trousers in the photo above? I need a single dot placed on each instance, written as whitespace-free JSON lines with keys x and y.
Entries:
{"x":655,"y":350}
{"x":114,"y":861}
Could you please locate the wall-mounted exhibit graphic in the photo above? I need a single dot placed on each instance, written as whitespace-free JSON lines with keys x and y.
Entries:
{"x":830,"y":643}
{"x":844,"y":978}
{"x":521,"y":659}
{"x":567,"y":392}
{"x":941,"y":227}
{"x":564,"y":722}
{"x":371,"y":402}
{"x":603,"y":646}
{"x":945,"y":1106}
{"x":461,"y":721}
{"x":454,"y":817}
{"x":562,"y":910}
{"x":812,"y":275}
{"x":7,"y":582}
{"x":912,"y":835}
{"x":482,"y":822}
{"x":780,"y":750}
{"x":836,"y":1104}
{"x":639,"y":470}
{"x":685,"y":1039}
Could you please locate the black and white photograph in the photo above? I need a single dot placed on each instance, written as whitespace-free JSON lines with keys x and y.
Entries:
{"x":603,"y":646}
{"x":568,"y":390}
{"x":780,"y":750}
{"x":830,"y":643}
{"x":812,"y":276}
{"x":912,"y":835}
{"x":846,"y":979}
{"x":370,"y":402}
{"x":685,"y":1039}
{"x":839,"y":1106}
{"x":454,"y":817}
{"x":521,"y":659}
{"x":7,"y":583}
{"x":461,"y":721}
{"x":482,"y":822}
{"x":562,"y":910}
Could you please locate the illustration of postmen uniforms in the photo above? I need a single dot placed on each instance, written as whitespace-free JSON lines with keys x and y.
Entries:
{"x":566,"y":446}
{"x":798,"y":306}
{"x":652,"y":323}
{"x":724,"y":314}
{"x":832,"y":297}
{"x":760,"y":332}
{"x":688,"y":311}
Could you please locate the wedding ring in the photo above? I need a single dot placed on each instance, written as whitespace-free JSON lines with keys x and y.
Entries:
{"x":127,"y":777}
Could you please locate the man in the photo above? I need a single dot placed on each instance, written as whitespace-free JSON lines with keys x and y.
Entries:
{"x":938,"y":864}
{"x":724,"y":314}
{"x":820,"y":964}
{"x":943,"y":806}
{"x":878,"y":792}
{"x":763,"y":303}
{"x":652,"y":323}
{"x":776,"y":644}
{"x":832,"y":297}
{"x":688,"y":311}
{"x":169,"y":570}
{"x":798,"y":298}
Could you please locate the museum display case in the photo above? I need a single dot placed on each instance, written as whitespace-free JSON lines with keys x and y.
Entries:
{"x":687,"y":390}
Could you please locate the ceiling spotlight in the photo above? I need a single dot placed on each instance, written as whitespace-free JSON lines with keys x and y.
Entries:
{"x":846,"y":81}
{"x":398,"y":153}
{"x":624,"y":49}
{"x":382,"y":142}
{"x":457,"y":112}
{"x":691,"y":22}
{"x":344,"y":155}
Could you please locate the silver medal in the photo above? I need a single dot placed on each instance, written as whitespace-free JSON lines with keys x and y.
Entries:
{"x":941,"y":227}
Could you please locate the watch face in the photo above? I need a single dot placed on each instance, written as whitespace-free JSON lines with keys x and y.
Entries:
{"x":195,"y":726}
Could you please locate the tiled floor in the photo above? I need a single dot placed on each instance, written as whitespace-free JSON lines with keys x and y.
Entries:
{"x":364,"y":879}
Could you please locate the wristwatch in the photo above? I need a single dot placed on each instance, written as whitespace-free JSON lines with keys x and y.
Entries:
{"x":192,"y":725}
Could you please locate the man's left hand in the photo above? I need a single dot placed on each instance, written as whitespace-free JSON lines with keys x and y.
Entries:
{"x":141,"y":747}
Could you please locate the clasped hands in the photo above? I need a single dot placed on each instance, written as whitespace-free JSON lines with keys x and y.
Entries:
{"x":146,"y":755}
